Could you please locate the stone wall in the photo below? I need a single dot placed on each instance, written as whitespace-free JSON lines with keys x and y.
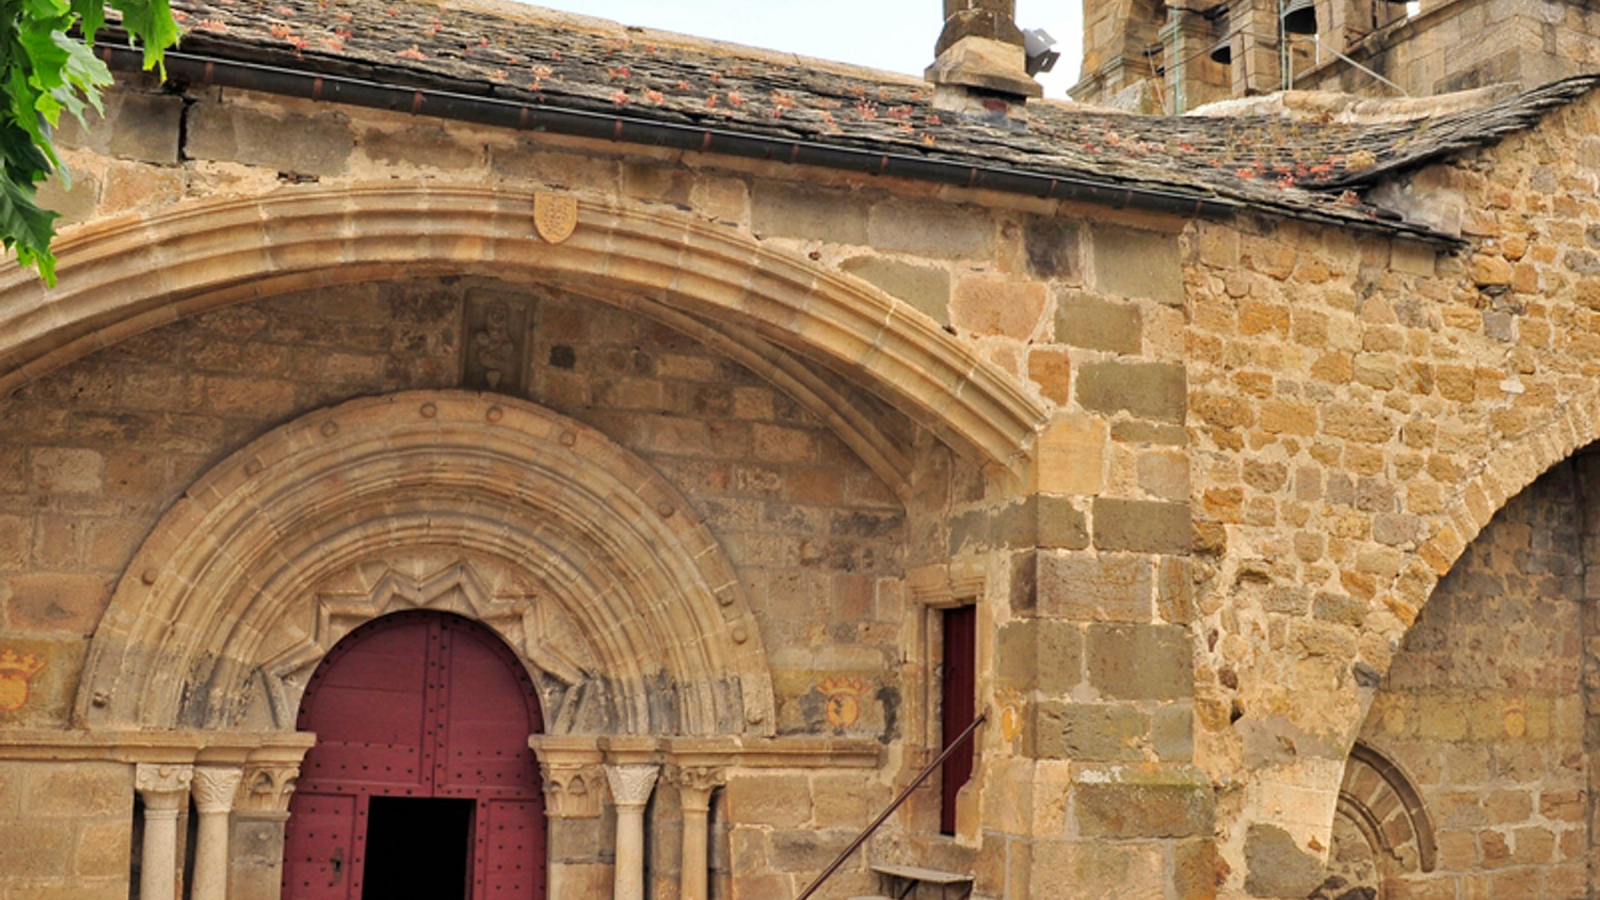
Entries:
{"x":104,"y":446}
{"x":1359,"y":410}
{"x":65,"y":830}
{"x":1448,"y":46}
{"x":1462,"y":45}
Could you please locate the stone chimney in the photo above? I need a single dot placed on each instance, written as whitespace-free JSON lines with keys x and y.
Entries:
{"x":981,"y":64}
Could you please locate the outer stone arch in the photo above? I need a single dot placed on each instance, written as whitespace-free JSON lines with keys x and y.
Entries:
{"x":124,"y":276}
{"x":613,"y":590}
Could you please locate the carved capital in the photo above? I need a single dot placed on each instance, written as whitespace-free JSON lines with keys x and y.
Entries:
{"x":266,"y":787}
{"x":162,"y":786}
{"x":631,"y":785}
{"x":573,"y":790}
{"x":215,"y":787}
{"x":695,"y":784}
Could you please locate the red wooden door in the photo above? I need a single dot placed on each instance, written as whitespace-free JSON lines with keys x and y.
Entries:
{"x":959,"y":705}
{"x":427,"y":706}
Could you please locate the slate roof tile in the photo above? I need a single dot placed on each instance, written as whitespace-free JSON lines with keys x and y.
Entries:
{"x":1297,"y":169}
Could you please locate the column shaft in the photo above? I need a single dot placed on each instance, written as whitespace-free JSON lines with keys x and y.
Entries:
{"x":630,"y":790}
{"x":695,"y":785}
{"x":158,"y":871}
{"x":214,"y":789}
{"x":164,"y":789}
{"x":695,"y":858}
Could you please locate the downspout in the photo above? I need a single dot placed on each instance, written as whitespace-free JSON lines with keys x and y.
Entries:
{"x":503,"y":113}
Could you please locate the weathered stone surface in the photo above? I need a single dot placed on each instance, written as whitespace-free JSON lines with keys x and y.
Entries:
{"x":929,"y":230}
{"x":1277,"y":866}
{"x":296,"y":145}
{"x":1151,"y":390}
{"x":777,"y":800}
{"x":1137,"y":264}
{"x":74,"y":203}
{"x":1099,"y":870}
{"x":1041,"y":520}
{"x":998,"y":307}
{"x":1084,"y":320}
{"x":1091,"y":731}
{"x":1136,"y":803}
{"x":1054,"y":249}
{"x":1140,"y":662}
{"x":1142,"y":526}
{"x":136,"y":125}
{"x":780,"y":209}
{"x":1110,"y":587}
{"x":924,"y":287}
{"x":428,"y":145}
{"x":1038,"y":654}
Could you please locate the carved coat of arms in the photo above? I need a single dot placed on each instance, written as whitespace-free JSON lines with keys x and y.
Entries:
{"x":15,"y":673}
{"x":555,"y":216}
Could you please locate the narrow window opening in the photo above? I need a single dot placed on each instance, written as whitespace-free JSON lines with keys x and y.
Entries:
{"x":417,"y":847}
{"x":958,"y":705}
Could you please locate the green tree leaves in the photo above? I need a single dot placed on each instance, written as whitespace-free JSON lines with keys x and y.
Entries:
{"x":45,"y":72}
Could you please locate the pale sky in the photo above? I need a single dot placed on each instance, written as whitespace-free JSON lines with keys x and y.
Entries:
{"x":885,"y":34}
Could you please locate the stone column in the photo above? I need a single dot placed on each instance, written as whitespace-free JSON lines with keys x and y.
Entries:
{"x":214,"y":787}
{"x":694,"y":787}
{"x":164,"y":789}
{"x":630,"y":791}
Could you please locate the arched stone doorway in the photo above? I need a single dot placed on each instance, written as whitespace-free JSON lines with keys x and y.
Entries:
{"x":421,"y":782}
{"x":613,"y":599}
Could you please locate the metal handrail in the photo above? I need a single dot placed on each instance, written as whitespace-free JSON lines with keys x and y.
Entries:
{"x":884,"y":816}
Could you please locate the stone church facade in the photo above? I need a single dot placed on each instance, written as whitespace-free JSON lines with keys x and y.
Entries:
{"x":622,"y":461}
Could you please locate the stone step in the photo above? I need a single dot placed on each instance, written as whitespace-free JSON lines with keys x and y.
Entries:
{"x":926,"y":876}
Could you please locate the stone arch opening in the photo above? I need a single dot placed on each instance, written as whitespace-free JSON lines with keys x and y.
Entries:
{"x":1471,"y":763}
{"x":120,"y":278}
{"x":616,"y":596}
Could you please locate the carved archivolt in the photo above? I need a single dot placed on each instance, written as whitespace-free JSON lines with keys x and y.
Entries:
{"x":124,"y":276}
{"x":1382,"y":832}
{"x":592,"y":567}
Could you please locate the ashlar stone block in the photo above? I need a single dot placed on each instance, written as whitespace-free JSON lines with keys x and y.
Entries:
{"x":807,"y":213}
{"x":924,"y":287}
{"x":1140,"y":662}
{"x":1137,"y":264}
{"x":1149,"y":390}
{"x":1084,"y":320}
{"x":304,"y":145}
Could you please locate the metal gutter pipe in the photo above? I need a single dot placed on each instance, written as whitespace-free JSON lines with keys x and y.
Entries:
{"x":503,"y":113}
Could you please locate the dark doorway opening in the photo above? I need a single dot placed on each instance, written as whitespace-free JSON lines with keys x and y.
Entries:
{"x":417,"y":847}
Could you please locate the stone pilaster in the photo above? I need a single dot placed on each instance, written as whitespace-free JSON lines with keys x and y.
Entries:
{"x":631,"y":786}
{"x":261,"y":811}
{"x":164,"y":790}
{"x":265,"y":787}
{"x":574,"y":776}
{"x":695,"y":786}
